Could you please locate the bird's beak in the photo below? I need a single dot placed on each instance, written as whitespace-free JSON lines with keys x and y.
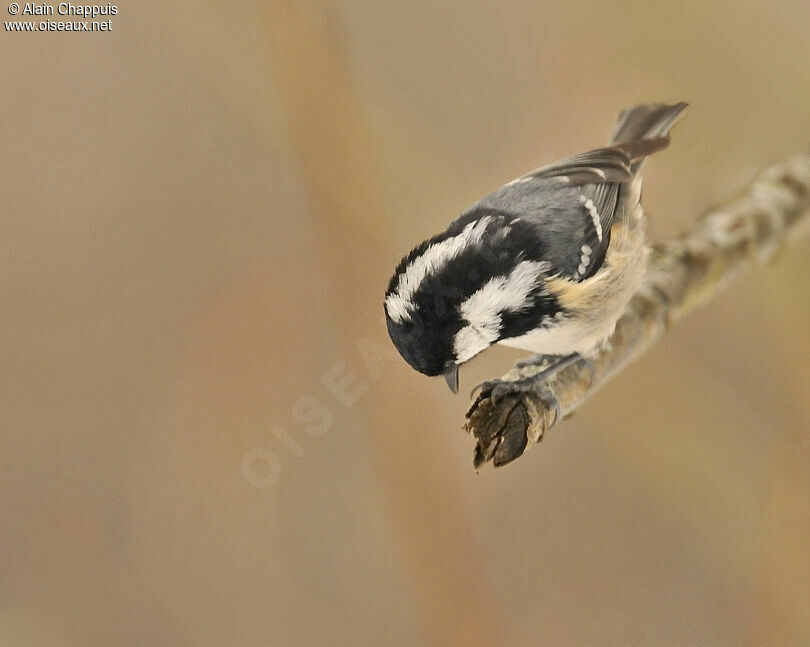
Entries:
{"x":451,"y":376}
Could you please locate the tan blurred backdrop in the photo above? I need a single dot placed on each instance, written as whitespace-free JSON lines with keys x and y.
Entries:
{"x":205,"y":437}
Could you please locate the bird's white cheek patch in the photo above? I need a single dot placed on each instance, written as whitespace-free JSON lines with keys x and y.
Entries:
{"x":483,"y":309}
{"x":471,"y":340}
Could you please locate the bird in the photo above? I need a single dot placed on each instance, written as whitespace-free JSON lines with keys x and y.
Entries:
{"x":546,"y":263}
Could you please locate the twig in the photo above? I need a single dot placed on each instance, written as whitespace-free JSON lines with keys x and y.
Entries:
{"x":682,"y":274}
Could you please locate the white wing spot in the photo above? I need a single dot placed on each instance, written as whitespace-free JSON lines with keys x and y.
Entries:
{"x":520,"y":180}
{"x":584,"y":259}
{"x":597,"y":224}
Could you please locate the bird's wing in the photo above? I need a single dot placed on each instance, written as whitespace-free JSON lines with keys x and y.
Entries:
{"x":611,"y":164}
{"x":568,"y":223}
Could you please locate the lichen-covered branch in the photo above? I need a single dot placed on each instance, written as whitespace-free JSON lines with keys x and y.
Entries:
{"x":682,"y":274}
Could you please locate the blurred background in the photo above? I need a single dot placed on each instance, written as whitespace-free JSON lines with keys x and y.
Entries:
{"x":206,"y":436}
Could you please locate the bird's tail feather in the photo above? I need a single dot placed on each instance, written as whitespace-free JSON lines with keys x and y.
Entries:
{"x":640,"y":124}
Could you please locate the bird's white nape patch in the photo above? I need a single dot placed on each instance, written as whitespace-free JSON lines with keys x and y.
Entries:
{"x":482,"y":310}
{"x":597,"y":224}
{"x":398,"y":304}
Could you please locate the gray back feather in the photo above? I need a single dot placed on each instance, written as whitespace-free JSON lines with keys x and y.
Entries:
{"x":571,"y":203}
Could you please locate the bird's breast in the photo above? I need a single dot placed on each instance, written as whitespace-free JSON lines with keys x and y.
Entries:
{"x":591,"y":308}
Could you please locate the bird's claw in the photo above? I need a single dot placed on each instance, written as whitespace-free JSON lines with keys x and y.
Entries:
{"x":495,"y":390}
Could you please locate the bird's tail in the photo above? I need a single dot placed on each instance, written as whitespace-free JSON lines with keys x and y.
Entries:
{"x":645,"y":128}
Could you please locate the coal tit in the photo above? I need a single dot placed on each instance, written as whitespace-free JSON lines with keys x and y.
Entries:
{"x":547,"y":263}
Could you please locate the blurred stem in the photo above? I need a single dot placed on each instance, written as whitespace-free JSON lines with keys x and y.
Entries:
{"x":682,"y":274}
{"x":333,"y":143}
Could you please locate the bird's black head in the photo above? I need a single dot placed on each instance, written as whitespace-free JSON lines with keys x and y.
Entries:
{"x":460,"y":292}
{"x":424,"y":335}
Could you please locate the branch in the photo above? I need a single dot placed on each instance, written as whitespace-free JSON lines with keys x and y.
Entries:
{"x":682,"y":274}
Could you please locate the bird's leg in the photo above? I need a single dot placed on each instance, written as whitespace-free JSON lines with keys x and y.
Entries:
{"x":534,"y":360}
{"x":550,"y":364}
